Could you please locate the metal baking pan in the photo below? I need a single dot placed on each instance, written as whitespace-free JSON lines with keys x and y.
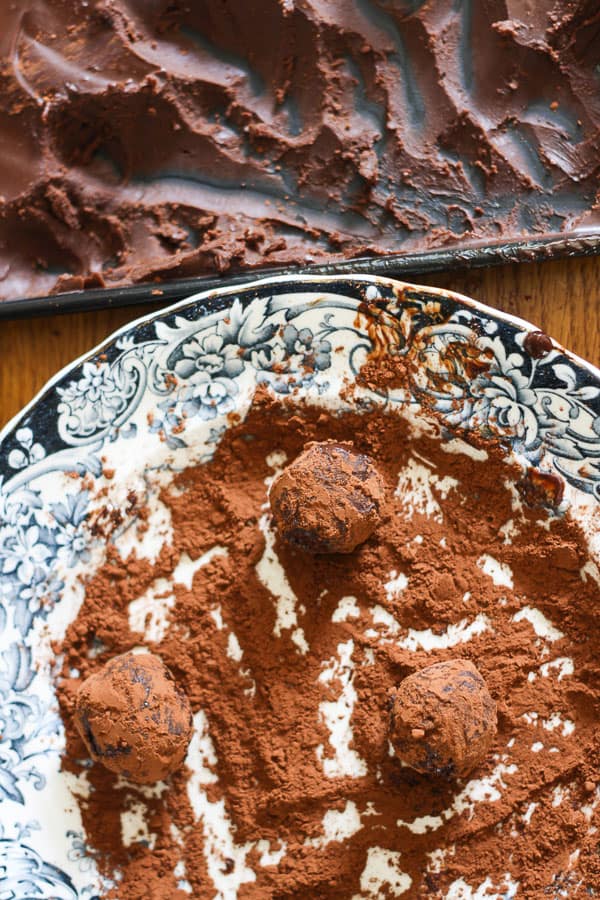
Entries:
{"x":475,"y":255}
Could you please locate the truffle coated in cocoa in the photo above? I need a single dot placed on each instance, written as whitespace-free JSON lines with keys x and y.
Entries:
{"x":328,"y":499}
{"x":443,"y":719}
{"x":134,"y":719}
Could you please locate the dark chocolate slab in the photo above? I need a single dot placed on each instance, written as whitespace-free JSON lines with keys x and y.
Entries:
{"x":150,"y":140}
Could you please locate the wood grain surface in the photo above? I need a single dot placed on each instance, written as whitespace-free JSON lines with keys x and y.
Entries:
{"x":562,"y":298}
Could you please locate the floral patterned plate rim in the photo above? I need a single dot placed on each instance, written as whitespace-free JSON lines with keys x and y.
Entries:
{"x":164,"y":386}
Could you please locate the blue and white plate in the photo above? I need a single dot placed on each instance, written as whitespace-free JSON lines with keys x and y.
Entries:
{"x":155,"y":397}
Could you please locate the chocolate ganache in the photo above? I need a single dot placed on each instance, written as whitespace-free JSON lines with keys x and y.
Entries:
{"x":143,"y":140}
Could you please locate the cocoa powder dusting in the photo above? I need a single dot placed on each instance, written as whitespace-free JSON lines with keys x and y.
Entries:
{"x":443,"y":720}
{"x":262,"y":680}
{"x":133,"y":719}
{"x":327,"y":500}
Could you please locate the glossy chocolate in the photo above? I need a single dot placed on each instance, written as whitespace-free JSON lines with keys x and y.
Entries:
{"x":149,"y":139}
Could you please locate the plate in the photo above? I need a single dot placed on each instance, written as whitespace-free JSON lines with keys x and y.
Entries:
{"x":157,"y":397}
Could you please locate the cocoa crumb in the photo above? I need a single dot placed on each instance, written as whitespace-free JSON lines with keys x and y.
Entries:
{"x":538,"y":344}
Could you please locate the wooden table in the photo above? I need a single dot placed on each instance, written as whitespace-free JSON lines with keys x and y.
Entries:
{"x":562,"y":298}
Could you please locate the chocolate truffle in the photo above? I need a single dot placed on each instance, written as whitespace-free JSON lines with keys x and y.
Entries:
{"x":443,"y":719}
{"x":134,"y":719}
{"x":328,"y":499}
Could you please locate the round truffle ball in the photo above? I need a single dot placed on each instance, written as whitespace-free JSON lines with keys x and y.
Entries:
{"x":134,"y":719}
{"x":443,"y":719}
{"x":328,"y":499}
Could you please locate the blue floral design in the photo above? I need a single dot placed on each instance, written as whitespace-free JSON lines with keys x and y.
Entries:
{"x":94,"y":398}
{"x":96,"y":404}
{"x":208,"y":397}
{"x":477,"y":386}
{"x":535,"y":405}
{"x":210,"y":356}
{"x":304,"y":350}
{"x":25,"y":551}
{"x":24,"y":875}
{"x":71,"y":538}
{"x":206,"y":368}
{"x":29,"y":452}
{"x":80,"y":851}
{"x":28,"y":551}
{"x":36,"y":598}
{"x":27,"y":583}
{"x":25,"y":724}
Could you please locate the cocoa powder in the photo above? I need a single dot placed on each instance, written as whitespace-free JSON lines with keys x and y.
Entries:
{"x":427,"y":568}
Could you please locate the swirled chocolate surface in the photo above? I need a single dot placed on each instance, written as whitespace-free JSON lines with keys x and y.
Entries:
{"x":148,"y":139}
